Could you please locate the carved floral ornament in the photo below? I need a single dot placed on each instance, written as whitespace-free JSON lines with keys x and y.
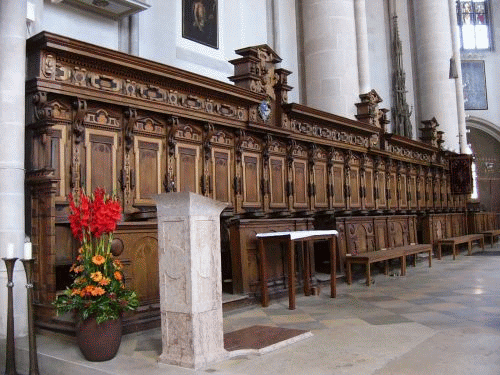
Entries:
{"x":64,"y":72}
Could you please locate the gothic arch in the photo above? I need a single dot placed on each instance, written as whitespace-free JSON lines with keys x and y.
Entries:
{"x":483,"y":125}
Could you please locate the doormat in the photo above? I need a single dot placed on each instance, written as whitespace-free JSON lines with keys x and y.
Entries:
{"x":261,"y":339}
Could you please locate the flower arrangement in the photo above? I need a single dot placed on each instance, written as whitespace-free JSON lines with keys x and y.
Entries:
{"x":98,"y":287}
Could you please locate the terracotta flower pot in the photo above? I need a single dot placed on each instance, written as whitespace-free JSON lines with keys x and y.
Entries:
{"x":99,"y":342}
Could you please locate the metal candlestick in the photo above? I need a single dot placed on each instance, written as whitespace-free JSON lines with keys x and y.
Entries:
{"x":10,"y":353}
{"x":28,"y":268}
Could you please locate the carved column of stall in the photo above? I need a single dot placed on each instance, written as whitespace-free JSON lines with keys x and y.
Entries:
{"x":77,"y":136}
{"x":127,"y":179}
{"x":169,"y":182}
{"x":311,"y":187}
{"x":238,"y":180}
{"x":376,"y":183}
{"x":331,"y":180}
{"x":444,"y":197}
{"x":437,"y":189}
{"x":362,"y":180}
{"x":430,"y":189}
{"x":347,"y":178}
{"x":206,"y":180}
{"x":330,"y":53}
{"x":266,"y":185}
{"x":289,"y":182}
{"x":437,"y":93}
{"x":399,"y":184}
{"x":388,"y":194}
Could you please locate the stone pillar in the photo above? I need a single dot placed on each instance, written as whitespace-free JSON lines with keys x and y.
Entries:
{"x":12,"y":92}
{"x":330,"y":56}
{"x":462,"y":131}
{"x":437,"y":94}
{"x":190,"y":279}
{"x":362,"y":46}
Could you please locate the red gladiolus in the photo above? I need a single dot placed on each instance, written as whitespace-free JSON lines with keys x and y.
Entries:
{"x":94,"y":216}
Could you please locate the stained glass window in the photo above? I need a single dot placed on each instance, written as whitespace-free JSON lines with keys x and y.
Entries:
{"x":474,"y":24}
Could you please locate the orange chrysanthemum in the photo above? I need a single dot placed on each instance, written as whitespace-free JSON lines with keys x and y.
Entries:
{"x":80,"y":250}
{"x":78,"y":269}
{"x":98,"y":259}
{"x":96,"y":276}
{"x":74,"y":292}
{"x":104,"y":281}
{"x":97,"y":291}
{"x":118,"y":264}
{"x":118,"y":275}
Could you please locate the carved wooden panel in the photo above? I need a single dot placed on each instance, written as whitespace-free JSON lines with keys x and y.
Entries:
{"x":393,"y":201}
{"x":101,"y":161}
{"x":437,"y":192}
{"x":421,"y":192}
{"x":300,"y":184}
{"x":148,"y":167}
{"x":221,"y":175}
{"x":412,"y":230}
{"x":139,"y":244}
{"x":381,"y":240}
{"x":277,"y":178}
{"x":382,"y":201}
{"x":58,"y":144}
{"x":320,"y":185}
{"x":188,"y":167}
{"x":368,"y":189}
{"x":428,"y":194}
{"x":360,"y":235}
{"x":251,"y":163}
{"x":244,"y":248}
{"x":338,"y":185}
{"x":354,"y":188}
{"x":403,"y":192}
{"x":412,"y":189}
{"x":397,"y":228}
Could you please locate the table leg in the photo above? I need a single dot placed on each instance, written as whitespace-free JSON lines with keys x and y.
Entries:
{"x":263,"y":274}
{"x":291,"y":275}
{"x":482,"y":243}
{"x":386,"y":267}
{"x":439,"y":251}
{"x":430,"y":257}
{"x":403,"y":265}
{"x":307,"y":251}
{"x":470,"y":248}
{"x":492,"y":238}
{"x":348,"y":272}
{"x":368,"y":274}
{"x":454,"y":248}
{"x":333,"y":268}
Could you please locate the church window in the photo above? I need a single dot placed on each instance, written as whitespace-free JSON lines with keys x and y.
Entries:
{"x":474,"y":24}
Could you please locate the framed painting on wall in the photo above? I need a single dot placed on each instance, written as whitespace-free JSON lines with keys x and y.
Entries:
{"x":200,"y":22}
{"x":474,"y":84}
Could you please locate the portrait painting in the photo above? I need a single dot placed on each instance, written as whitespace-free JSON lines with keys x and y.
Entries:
{"x":474,"y":84}
{"x":199,"y":22}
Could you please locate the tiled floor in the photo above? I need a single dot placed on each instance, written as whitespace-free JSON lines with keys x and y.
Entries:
{"x":440,"y":320}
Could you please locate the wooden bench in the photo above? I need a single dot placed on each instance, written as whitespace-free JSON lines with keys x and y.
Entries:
{"x":491,"y":234}
{"x":306,"y":237}
{"x":455,"y":241}
{"x":400,"y":252}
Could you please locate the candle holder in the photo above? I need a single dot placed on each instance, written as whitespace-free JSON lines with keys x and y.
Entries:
{"x":10,"y":352}
{"x":28,"y":268}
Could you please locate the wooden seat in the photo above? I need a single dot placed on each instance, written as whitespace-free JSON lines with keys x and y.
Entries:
{"x":400,"y":252}
{"x":455,"y":241}
{"x":491,"y":234}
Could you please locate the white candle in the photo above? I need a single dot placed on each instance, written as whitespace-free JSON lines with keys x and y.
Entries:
{"x":27,"y":250}
{"x":10,"y":251}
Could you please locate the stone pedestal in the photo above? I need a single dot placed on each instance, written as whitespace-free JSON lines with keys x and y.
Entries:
{"x":190,"y":279}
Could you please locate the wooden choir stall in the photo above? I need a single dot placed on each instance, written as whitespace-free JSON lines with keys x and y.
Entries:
{"x":98,"y":117}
